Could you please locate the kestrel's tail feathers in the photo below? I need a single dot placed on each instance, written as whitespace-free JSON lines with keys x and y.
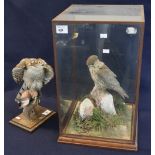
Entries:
{"x":122,"y":92}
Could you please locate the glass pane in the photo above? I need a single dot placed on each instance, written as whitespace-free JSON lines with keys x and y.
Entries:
{"x":97,"y":95}
{"x":102,"y":13}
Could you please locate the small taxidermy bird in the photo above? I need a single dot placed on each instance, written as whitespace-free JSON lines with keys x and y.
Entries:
{"x":73,"y":36}
{"x":103,"y":77}
{"x":34,"y":73}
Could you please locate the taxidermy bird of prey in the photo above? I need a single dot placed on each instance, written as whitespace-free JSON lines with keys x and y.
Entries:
{"x":33,"y":72}
{"x":103,"y":77}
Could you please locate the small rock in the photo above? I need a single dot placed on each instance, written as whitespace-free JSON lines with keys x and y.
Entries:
{"x":104,"y":100}
{"x":107,"y":104}
{"x":86,"y":108}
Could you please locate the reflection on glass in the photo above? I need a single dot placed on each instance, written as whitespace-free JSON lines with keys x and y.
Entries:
{"x":97,"y":77}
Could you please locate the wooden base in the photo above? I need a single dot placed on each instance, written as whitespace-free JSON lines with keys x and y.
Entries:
{"x":31,"y":125}
{"x":98,"y":143}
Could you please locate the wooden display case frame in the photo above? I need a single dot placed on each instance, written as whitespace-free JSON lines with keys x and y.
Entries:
{"x":96,"y":141}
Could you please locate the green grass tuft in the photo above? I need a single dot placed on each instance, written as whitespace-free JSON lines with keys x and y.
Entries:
{"x":101,"y":120}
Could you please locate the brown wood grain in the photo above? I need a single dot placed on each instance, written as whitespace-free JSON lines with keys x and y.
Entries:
{"x":31,"y":125}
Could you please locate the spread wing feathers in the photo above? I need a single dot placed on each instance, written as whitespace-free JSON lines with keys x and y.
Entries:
{"x":17,"y":74}
{"x":107,"y":77}
{"x":49,"y":73}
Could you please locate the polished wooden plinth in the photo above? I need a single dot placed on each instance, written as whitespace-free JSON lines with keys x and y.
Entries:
{"x":131,"y":146}
{"x":31,"y":125}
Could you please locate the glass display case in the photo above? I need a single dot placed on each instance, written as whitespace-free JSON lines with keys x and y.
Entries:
{"x":98,"y":50}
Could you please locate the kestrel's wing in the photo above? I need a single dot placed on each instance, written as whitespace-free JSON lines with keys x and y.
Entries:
{"x":17,"y":74}
{"x":107,"y":69}
{"x":106,"y":76}
{"x":49,"y":74}
{"x":100,"y":65}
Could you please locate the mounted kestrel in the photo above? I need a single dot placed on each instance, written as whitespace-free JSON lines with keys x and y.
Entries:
{"x":103,"y":77}
{"x":34,"y":73}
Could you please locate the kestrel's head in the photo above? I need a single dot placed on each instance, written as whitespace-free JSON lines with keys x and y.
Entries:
{"x":91,"y":60}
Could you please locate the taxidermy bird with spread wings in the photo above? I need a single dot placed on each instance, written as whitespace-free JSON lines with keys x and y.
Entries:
{"x":34,"y":73}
